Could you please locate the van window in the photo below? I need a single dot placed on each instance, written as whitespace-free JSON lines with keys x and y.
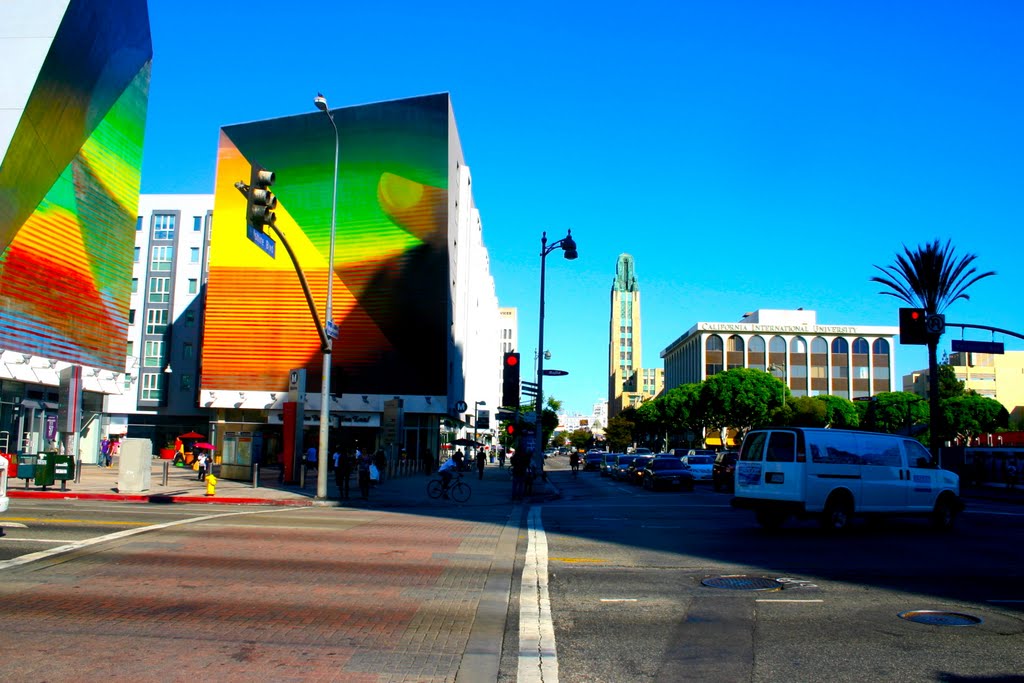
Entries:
{"x":880,"y":451}
{"x":917,"y":455}
{"x":753,"y":446}
{"x":836,"y":448}
{"x":782,"y":447}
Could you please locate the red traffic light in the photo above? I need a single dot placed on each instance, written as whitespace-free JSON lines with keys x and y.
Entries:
{"x":510,"y":429}
{"x":511,"y":359}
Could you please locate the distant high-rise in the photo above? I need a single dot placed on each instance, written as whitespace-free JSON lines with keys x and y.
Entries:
{"x":626,"y":383}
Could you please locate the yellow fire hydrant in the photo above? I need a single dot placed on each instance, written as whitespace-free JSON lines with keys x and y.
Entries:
{"x":211,"y":485}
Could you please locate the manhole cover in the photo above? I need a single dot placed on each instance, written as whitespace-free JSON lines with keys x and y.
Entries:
{"x":743,"y":583}
{"x":936,"y":618}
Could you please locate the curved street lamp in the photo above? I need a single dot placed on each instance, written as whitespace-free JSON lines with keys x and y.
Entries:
{"x":325,"y":384}
{"x":568,"y":247}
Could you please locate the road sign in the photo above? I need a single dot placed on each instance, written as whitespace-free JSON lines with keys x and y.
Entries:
{"x":935,"y":323}
{"x":504,"y":415}
{"x":461,"y":406}
{"x":554,"y":373}
{"x":261,"y":240}
{"x":968,"y":346}
{"x":331,"y":329}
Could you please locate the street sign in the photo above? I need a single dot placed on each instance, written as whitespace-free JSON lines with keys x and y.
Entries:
{"x":331,"y":329}
{"x":968,"y":346}
{"x":504,"y":415}
{"x":935,"y":323}
{"x":554,"y":373}
{"x":461,"y":406}
{"x":261,"y":240}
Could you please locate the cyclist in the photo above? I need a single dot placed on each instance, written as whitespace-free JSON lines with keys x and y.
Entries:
{"x":447,"y":471}
{"x":574,"y":462}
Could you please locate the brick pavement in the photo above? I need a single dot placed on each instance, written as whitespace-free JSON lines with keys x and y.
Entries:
{"x":375,"y":593}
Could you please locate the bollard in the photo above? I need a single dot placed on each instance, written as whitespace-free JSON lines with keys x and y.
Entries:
{"x":167,"y":466}
{"x":255,"y":475}
{"x":211,"y":485}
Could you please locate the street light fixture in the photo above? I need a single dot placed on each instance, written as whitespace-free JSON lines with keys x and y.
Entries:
{"x":568,"y":246}
{"x":325,"y":385}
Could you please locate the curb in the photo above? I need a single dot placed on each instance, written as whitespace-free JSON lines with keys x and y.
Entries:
{"x":155,"y":498}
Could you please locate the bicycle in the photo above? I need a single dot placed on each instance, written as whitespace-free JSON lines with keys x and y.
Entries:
{"x":457,"y":490}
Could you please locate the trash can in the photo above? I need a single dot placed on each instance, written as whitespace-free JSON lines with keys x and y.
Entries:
{"x":26,"y":467}
{"x":45,"y":469}
{"x":63,"y":469}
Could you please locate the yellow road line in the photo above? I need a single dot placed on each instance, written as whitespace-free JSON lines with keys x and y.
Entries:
{"x":71,"y":521}
{"x":575,"y":559}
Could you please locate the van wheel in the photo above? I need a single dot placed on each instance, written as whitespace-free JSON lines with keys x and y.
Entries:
{"x":838,"y":513}
{"x":770,"y":519}
{"x":944,"y":514}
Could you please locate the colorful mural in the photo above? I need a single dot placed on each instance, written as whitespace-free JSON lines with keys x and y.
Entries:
{"x":390,"y":291}
{"x":69,"y":189}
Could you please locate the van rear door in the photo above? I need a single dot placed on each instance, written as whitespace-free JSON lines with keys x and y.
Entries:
{"x":768,"y":467}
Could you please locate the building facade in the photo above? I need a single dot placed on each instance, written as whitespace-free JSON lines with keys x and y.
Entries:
{"x":628,"y":382}
{"x":850,"y":361}
{"x":998,"y":376}
{"x":72,"y":116}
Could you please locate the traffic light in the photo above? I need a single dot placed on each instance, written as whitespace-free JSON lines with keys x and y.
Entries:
{"x":914,"y":326}
{"x":510,"y":380}
{"x":510,"y":429}
{"x":259,"y":210}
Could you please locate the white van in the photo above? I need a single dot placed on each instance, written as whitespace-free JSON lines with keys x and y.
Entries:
{"x":835,"y":474}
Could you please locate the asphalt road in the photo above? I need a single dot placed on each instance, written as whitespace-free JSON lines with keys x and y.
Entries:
{"x":627,"y":570}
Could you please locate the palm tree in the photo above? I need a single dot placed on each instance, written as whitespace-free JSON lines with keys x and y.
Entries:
{"x":931,"y":277}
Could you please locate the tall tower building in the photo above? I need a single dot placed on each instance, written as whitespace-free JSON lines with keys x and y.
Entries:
{"x":627,"y":385}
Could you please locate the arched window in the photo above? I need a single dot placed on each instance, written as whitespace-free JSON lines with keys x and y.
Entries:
{"x":714,"y":343}
{"x":755,"y":353}
{"x":819,"y":345}
{"x":880,"y":347}
{"x":798,"y":366}
{"x":734,"y":354}
{"x":861,"y":368}
{"x":840,"y":368}
{"x":713,"y":355}
{"x":797,"y":345}
{"x":860,"y":345}
{"x":840,"y":345}
{"x":819,"y":366}
{"x":778,"y":345}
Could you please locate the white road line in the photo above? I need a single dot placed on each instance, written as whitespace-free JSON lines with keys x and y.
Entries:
{"x":12,"y":539}
{"x":77,"y":545}
{"x":783,"y":600}
{"x":538,"y":659}
{"x":618,"y":599}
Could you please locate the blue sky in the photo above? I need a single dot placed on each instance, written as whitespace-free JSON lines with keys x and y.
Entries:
{"x":747,"y":154}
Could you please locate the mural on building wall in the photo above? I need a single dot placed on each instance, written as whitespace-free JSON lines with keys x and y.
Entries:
{"x":390,"y":288}
{"x":69,"y":188}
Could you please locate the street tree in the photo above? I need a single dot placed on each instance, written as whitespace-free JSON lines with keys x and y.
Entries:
{"x":807,"y":411}
{"x":949,"y":385}
{"x":619,"y":434}
{"x":840,"y":413}
{"x":742,"y":398}
{"x":972,"y":415}
{"x":930,"y":277}
{"x":684,"y":413}
{"x":580,"y":439}
{"x":651,"y":424}
{"x":896,"y":412}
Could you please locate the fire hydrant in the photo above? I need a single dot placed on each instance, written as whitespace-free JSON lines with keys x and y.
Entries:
{"x":211,"y":485}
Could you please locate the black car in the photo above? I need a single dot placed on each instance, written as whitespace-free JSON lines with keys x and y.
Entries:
{"x":609,"y":464}
{"x":622,"y":463}
{"x":593,"y":460}
{"x":667,"y":472}
{"x":722,"y":471}
{"x":635,"y":472}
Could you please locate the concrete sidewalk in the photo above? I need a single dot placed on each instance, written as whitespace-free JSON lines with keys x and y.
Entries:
{"x":403,"y":488}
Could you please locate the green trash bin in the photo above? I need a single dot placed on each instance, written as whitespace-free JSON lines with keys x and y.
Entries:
{"x":45,"y":469}
{"x":63,"y":469}
{"x":26,"y":467}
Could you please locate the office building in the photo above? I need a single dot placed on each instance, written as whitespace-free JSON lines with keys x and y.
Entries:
{"x":628,"y":382}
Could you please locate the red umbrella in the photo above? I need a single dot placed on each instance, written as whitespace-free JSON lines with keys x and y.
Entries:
{"x":192,"y":435}
{"x":204,"y":445}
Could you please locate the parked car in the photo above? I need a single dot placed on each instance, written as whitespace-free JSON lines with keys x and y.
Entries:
{"x":667,"y":472}
{"x":642,"y":451}
{"x":700,"y":465}
{"x":593,"y":460}
{"x":635,"y":472}
{"x":722,"y":471}
{"x":622,"y":463}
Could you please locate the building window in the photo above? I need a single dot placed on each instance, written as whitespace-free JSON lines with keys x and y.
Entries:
{"x":880,"y":347}
{"x":163,"y":226}
{"x":138,"y":253}
{"x":159,"y":290}
{"x":151,"y":386}
{"x":197,"y":223}
{"x":131,"y":316}
{"x":186,"y":382}
{"x":193,"y":285}
{"x":127,"y":382}
{"x":186,"y":350}
{"x":190,"y":318}
{"x":135,"y":285}
{"x":194,"y":255}
{"x":860,"y":345}
{"x":161,"y":259}
{"x":130,"y":350}
{"x":156,"y":321}
{"x":138,"y":223}
{"x":154,"y":354}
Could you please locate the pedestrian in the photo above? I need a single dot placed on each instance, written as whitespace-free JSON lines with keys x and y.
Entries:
{"x":363,"y":463}
{"x":115,"y":448}
{"x":460,"y":460}
{"x":381,"y":461}
{"x":428,"y":461}
{"x":202,"y":461}
{"x":343,"y":472}
{"x":519,"y":463}
{"x":104,"y":452}
{"x":310,"y":458}
{"x":501,"y":459}
{"x":1011,"y":474}
{"x":480,"y":458}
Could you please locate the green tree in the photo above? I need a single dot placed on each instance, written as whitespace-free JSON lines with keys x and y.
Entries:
{"x":742,"y":398}
{"x":931,"y":277}
{"x":558,"y":440}
{"x":840,"y":413}
{"x":949,"y":385}
{"x":895,"y":412}
{"x":807,"y":411}
{"x":969,"y":416}
{"x":580,"y":439}
{"x":619,"y":434}
{"x":684,"y":413}
{"x":549,"y":423}
{"x":650,"y":425}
